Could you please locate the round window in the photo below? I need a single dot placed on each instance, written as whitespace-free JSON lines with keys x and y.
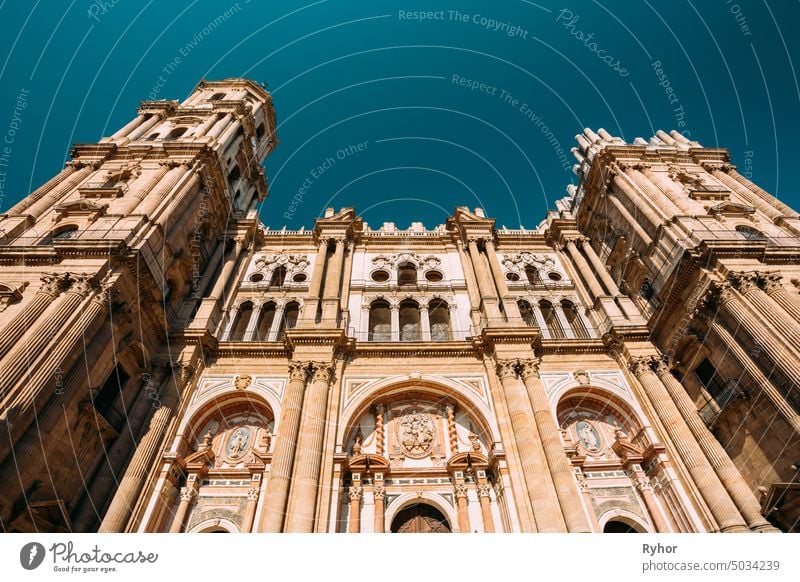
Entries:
{"x":380,"y":276}
{"x":299,"y":277}
{"x":434,"y":276}
{"x":512,"y":276}
{"x":554,"y":276}
{"x":256,"y":278}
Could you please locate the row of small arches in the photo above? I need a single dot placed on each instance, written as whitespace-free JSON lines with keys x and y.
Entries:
{"x":265,"y":322}
{"x":550,"y":318}
{"x":409,"y":321}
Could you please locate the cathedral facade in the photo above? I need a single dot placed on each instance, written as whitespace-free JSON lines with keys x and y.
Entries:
{"x":169,"y":364}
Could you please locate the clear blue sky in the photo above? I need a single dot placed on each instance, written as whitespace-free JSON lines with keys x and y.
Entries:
{"x":344,"y":73}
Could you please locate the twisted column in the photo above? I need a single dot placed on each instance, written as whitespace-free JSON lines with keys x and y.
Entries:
{"x":379,"y":495}
{"x":280,"y":472}
{"x":451,"y":428}
{"x":559,"y":466}
{"x":127,"y":494}
{"x":380,"y":410}
{"x":305,"y":479}
{"x":24,"y":319}
{"x":720,"y":461}
{"x":546,"y":514}
{"x":486,"y":508}
{"x":705,"y":478}
{"x":355,"y":509}
{"x":462,"y":507}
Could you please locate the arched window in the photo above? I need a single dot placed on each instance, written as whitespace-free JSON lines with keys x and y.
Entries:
{"x":750,"y":233}
{"x":439,"y":316}
{"x":617,"y":526}
{"x":265,"y":319}
{"x":63,"y":233}
{"x":278,"y":277}
{"x":176,"y":133}
{"x":406,"y":274}
{"x":409,"y":321}
{"x":217,"y":97}
{"x":533,"y":275}
{"x":234,"y":174}
{"x":153,"y":136}
{"x":550,"y":319}
{"x":380,"y":321}
{"x":108,"y":394}
{"x":574,"y":319}
{"x":526,"y":311}
{"x":242,"y":319}
{"x":290,"y":314}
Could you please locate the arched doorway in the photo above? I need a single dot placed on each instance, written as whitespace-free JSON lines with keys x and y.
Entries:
{"x":420,"y":518}
{"x":616,"y":526}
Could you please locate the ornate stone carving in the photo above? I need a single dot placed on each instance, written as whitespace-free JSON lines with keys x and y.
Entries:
{"x":242,"y":381}
{"x":252,"y":494}
{"x":188,"y":494}
{"x":517,"y":262}
{"x":358,"y":442}
{"x":416,"y":433}
{"x":54,"y":283}
{"x":529,"y":368}
{"x":744,"y":282}
{"x":379,"y":492}
{"x":660,"y":366}
{"x":590,"y":438}
{"x":355,"y":492}
{"x":581,"y":377}
{"x":506,"y":368}
{"x":771,"y":282}
{"x":323,"y":372}
{"x":238,"y":442}
{"x":484,"y":490}
{"x":298,"y":371}
{"x":460,"y":490}
{"x":475,"y":444}
{"x":640,"y":365}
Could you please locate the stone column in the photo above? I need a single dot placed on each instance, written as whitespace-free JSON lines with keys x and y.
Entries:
{"x":584,"y":270}
{"x":545,"y":512}
{"x":160,"y":189}
{"x":45,"y":203}
{"x":311,"y":304}
{"x":330,"y":298}
{"x":472,"y":285}
{"x":746,"y":284}
{"x":773,"y":287}
{"x":424,"y":322}
{"x":395,"y":322}
{"x":277,"y":321}
{"x":686,"y":205}
{"x":305,"y":479}
{"x":760,"y":380}
{"x":132,"y":198}
{"x":222,"y":281}
{"x":220,"y":125}
{"x":720,"y":461}
{"x":462,"y":507}
{"x":379,"y":495}
{"x":705,"y":478}
{"x":22,"y":206}
{"x":188,"y":495}
{"x":733,"y":308}
{"x":587,"y":499}
{"x":559,"y":466}
{"x":662,"y":197}
{"x":250,"y":510}
{"x":486,"y":507}
{"x":509,"y":302}
{"x":210,"y":269}
{"x":24,"y":319}
{"x":136,"y":474}
{"x":643,"y":485}
{"x":487,"y":290}
{"x":280,"y":472}
{"x":650,"y":221}
{"x":354,"y":525}
{"x":629,"y":221}
{"x":599,"y":268}
{"x":226,"y":137}
{"x":31,"y":395}
{"x":201,"y":129}
{"x":151,"y":122}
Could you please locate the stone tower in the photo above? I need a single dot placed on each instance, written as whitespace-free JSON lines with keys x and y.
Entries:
{"x":713,"y":262}
{"x":110,"y":274}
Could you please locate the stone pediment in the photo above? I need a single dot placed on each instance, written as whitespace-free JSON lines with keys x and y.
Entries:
{"x":731,"y":209}
{"x":92,"y":210}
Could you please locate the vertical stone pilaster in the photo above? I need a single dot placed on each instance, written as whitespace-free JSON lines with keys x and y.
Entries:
{"x":584,"y":270}
{"x":462,"y":507}
{"x":188,"y":495}
{"x":277,"y":493}
{"x":250,"y":509}
{"x":424,"y":322}
{"x":705,"y":478}
{"x":150,"y":123}
{"x":650,"y":502}
{"x":487,"y":290}
{"x":472,"y":285}
{"x":311,"y":303}
{"x":599,"y":268}
{"x":559,"y":466}
{"x":305,"y":478}
{"x":486,"y":507}
{"x":22,"y":206}
{"x":355,"y":493}
{"x":379,"y":494}
{"x":333,"y":278}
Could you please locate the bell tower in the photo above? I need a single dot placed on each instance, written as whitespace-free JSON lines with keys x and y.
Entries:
{"x":108,"y":274}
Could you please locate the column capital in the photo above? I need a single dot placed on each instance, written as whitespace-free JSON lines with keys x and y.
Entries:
{"x":183,"y":371}
{"x":639,"y":365}
{"x":484,"y":489}
{"x":252,"y":494}
{"x":188,"y":493}
{"x":54,"y":283}
{"x":323,"y":371}
{"x":719,"y":293}
{"x":379,"y":492}
{"x":744,"y":281}
{"x":299,"y":371}
{"x":660,"y":366}
{"x":771,"y":282}
{"x":642,"y":482}
{"x":529,"y":368}
{"x":82,"y":284}
{"x":460,"y":490}
{"x":506,"y":368}
{"x":355,"y":492}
